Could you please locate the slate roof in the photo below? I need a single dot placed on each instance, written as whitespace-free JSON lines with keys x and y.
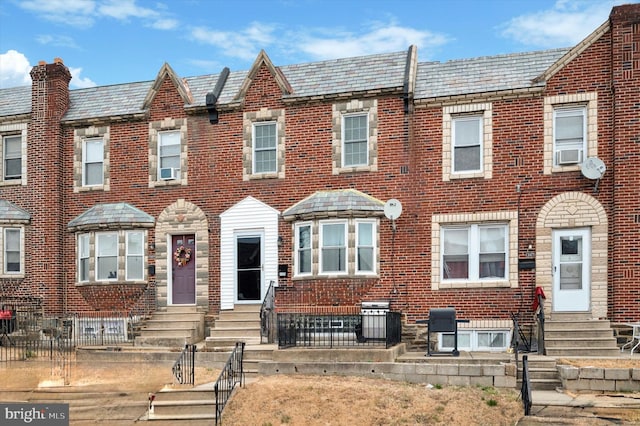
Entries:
{"x":15,"y":101}
{"x":112,"y":215}
{"x":317,"y":79}
{"x":484,"y":74}
{"x":9,"y":212}
{"x":323,"y":203}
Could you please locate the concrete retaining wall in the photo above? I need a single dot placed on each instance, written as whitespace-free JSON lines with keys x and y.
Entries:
{"x":599,"y":379}
{"x":497,"y":375}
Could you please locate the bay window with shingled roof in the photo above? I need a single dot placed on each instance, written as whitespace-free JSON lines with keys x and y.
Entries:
{"x":340,"y":243}
{"x":111,"y":241}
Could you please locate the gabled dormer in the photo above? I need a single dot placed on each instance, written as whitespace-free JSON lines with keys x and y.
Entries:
{"x":167,"y":75}
{"x":262,"y":65}
{"x":165,"y":102}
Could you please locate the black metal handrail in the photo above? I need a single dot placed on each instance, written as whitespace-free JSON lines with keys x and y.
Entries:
{"x":184,"y":367}
{"x":525,"y":390}
{"x":267,"y":314}
{"x":232,"y":374}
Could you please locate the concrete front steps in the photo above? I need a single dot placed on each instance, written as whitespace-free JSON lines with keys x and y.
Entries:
{"x":184,"y":404}
{"x":174,"y":327}
{"x":574,"y":335}
{"x":543,"y":373}
{"x":242,"y":324}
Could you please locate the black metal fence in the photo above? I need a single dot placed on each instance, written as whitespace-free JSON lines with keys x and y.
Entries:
{"x":184,"y":368}
{"x":335,"y":331}
{"x":232,"y":374}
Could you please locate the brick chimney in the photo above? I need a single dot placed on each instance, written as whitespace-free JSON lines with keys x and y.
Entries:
{"x":45,"y":141}
{"x":625,"y":44}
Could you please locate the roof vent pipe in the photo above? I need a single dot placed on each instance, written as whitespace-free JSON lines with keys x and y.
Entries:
{"x":212,"y":97}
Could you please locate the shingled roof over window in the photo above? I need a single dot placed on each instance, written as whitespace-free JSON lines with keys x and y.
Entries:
{"x":111,"y":216}
{"x":10,"y":213}
{"x":338,"y":203}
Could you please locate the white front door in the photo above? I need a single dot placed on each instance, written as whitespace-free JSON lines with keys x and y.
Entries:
{"x":571,"y":270}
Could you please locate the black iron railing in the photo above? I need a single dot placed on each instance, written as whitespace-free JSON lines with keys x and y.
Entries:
{"x":525,"y":390}
{"x":184,"y":367}
{"x":331,"y":331}
{"x":267,"y":315}
{"x":232,"y":374}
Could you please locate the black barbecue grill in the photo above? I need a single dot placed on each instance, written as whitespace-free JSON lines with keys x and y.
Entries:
{"x":442,"y":320}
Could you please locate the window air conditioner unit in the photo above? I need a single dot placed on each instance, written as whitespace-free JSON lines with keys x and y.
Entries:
{"x":169,"y":173}
{"x":569,"y":156}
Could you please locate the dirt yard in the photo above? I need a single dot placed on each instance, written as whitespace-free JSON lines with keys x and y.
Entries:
{"x":108,"y":392}
{"x":311,"y":400}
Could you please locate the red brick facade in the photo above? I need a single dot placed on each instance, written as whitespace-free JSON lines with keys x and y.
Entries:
{"x":408,"y":166}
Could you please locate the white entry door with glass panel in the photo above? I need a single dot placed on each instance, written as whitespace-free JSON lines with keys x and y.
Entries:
{"x":571,"y":270}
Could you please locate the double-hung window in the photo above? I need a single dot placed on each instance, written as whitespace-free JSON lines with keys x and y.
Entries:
{"x":169,"y":155}
{"x":475,"y":252}
{"x":467,"y":143}
{"x":303,"y":248}
{"x":83,"y":257}
{"x":333,"y":247}
{"x":365,"y":247}
{"x":12,"y":155}
{"x":569,"y":130}
{"x":12,"y":255}
{"x":355,"y":136}
{"x":264,"y":147}
{"x":135,"y":255}
{"x":107,"y":256}
{"x":93,"y":162}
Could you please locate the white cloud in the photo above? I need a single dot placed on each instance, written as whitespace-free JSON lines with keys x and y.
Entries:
{"x":56,"y":40}
{"x":244,"y":44}
{"x":566,"y":24}
{"x":77,"y":13}
{"x":79,"y":82}
{"x":83,"y":13}
{"x":14,"y":69}
{"x":378,"y":38}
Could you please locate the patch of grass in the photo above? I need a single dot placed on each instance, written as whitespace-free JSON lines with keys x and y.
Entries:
{"x":285,"y":418}
{"x":492,"y":403}
{"x":437,"y":386}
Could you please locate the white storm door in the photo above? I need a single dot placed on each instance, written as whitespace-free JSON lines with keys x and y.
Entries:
{"x":571,"y":270}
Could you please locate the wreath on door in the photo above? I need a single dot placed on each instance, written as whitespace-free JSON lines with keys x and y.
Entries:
{"x":182,"y":255}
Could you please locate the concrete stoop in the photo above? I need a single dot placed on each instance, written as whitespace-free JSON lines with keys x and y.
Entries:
{"x":570,"y":335}
{"x":241,"y":324}
{"x":543,"y":373}
{"x":174,"y":327}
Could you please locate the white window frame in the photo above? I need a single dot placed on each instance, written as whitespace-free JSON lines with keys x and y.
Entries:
{"x":6,"y":250}
{"x":100,"y":255}
{"x":298,"y":250}
{"x":474,"y":251}
{"x":569,"y":111}
{"x":344,"y":264}
{"x":474,"y":338}
{"x":131,"y":254}
{"x":458,"y":144}
{"x":359,"y":246}
{"x":86,"y":161}
{"x":345,"y":118}
{"x":6,"y":157}
{"x":273,"y":149}
{"x":84,"y":257}
{"x":161,"y":143}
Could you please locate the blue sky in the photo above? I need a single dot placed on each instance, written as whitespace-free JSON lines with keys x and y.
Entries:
{"x":119,"y":41}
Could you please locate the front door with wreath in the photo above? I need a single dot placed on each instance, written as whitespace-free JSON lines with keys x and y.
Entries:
{"x":183,"y":283}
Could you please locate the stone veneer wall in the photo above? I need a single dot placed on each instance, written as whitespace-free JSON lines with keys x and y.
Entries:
{"x":599,"y":379}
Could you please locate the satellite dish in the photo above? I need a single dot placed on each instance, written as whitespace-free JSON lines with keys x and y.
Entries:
{"x":593,"y":168}
{"x":392,"y":209}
